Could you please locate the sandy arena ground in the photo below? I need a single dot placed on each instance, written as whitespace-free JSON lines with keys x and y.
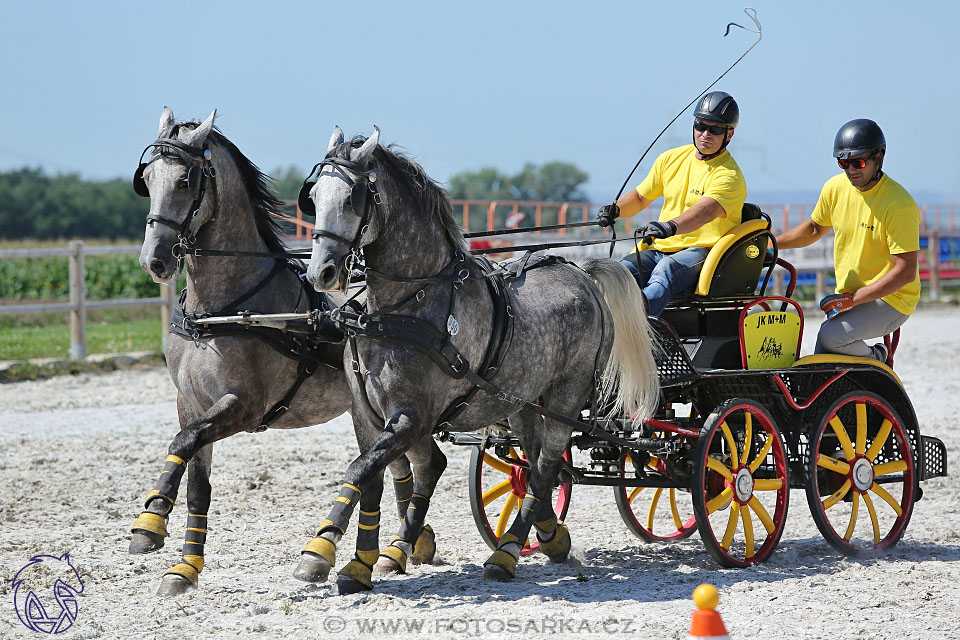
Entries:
{"x":80,"y":453}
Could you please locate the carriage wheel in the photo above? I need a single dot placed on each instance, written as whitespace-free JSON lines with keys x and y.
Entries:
{"x":496,"y":491}
{"x":740,"y":483}
{"x":648,"y":513}
{"x":860,"y":476}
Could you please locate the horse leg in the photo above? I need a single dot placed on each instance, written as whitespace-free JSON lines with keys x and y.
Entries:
{"x":429,"y":463}
{"x":357,"y":575}
{"x":319,"y":556}
{"x":184,"y":576}
{"x":150,"y":528}
{"x":545,"y":443}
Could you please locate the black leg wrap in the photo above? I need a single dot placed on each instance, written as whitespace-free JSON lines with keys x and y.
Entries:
{"x":415,"y":517}
{"x":403,"y":488}
{"x":368,"y":534}
{"x":342,"y":509}
{"x":195,"y":536}
{"x":169,"y":482}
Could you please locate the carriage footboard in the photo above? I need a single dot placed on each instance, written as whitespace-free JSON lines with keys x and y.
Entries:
{"x":934,"y":458}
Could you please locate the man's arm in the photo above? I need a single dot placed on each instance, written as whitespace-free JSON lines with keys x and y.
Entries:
{"x":802,"y":235}
{"x":902,"y":273}
{"x":706,"y":210}
{"x":631,"y":203}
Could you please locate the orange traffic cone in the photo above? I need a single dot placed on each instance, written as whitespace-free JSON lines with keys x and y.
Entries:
{"x":707,"y":624}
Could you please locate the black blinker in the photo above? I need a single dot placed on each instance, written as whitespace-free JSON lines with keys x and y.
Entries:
{"x":194,"y":178}
{"x":358,"y":197}
{"x":303,"y":199}
{"x":139,"y":184}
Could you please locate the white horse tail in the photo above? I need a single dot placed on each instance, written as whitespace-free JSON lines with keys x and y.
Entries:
{"x":630,"y":376}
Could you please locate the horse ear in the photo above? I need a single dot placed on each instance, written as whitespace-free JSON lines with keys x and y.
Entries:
{"x":365,"y":152}
{"x":196,"y":137}
{"x":166,"y":122}
{"x":336,"y":138}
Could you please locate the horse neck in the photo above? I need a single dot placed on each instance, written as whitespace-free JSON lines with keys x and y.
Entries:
{"x":413,"y":244}
{"x":212,"y":281}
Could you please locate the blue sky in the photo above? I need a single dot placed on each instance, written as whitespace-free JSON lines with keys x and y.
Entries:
{"x":461,"y":86}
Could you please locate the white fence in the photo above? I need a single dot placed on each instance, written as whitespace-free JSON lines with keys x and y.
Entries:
{"x":78,"y":305}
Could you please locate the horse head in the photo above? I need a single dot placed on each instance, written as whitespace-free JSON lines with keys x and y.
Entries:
{"x":341,"y":198}
{"x":179,"y":179}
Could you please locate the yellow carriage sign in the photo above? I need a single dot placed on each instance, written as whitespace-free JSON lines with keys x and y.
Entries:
{"x":771,"y":339}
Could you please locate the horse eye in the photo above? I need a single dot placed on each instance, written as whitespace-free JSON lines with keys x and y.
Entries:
{"x":182,"y":184}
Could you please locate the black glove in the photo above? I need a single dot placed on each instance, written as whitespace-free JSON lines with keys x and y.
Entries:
{"x":654,"y":230}
{"x":608,"y":213}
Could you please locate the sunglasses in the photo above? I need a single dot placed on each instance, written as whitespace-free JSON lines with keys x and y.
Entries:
{"x":713,"y":129}
{"x":856,"y":163}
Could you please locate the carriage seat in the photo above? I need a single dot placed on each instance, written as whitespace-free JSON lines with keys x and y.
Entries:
{"x":733,"y":266}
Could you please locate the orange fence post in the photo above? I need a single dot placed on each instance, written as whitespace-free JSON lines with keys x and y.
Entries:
{"x":562,"y":216}
{"x":466,"y":216}
{"x":490,"y":211}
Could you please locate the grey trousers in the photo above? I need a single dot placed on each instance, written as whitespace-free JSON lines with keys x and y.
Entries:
{"x":845,"y":332}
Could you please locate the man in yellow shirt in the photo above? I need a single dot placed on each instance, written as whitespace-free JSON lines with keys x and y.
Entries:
{"x":703,"y":194}
{"x":876,"y":226}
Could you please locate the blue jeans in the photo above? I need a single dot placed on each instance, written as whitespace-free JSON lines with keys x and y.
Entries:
{"x":661,"y":276}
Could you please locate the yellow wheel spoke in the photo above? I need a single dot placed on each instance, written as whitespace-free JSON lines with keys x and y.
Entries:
{"x":716,"y":465}
{"x":731,"y":444}
{"x":747,"y":531}
{"x":720,"y":501}
{"x":774,"y":484}
{"x":673,"y":509}
{"x":837,"y":496}
{"x":748,"y":423}
{"x":853,"y":516}
{"x":761,"y":512}
{"x":633,"y":494}
{"x":496,"y":463}
{"x":880,"y":491}
{"x":652,"y":511}
{"x":842,"y":437}
{"x":495,"y":492}
{"x":504,"y":518}
{"x":879,"y":440}
{"x":861,"y":427}
{"x":762,"y":454}
{"x":895,"y":466}
{"x":654,"y":461}
{"x":873,"y":518}
{"x":731,"y":525}
{"x":832,"y":464}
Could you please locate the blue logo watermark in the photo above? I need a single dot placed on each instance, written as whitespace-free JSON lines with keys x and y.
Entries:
{"x":45,"y":594}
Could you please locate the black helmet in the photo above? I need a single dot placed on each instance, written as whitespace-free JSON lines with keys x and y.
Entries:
{"x":718,"y":106}
{"x":858,"y":136}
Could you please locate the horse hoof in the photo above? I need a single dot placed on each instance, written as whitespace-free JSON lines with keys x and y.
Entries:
{"x":557,"y":549}
{"x":387,"y":566}
{"x":174,"y":585}
{"x":347,"y":585}
{"x":496,"y":573}
{"x":145,"y":542}
{"x":312,"y":568}
{"x":426,"y":547}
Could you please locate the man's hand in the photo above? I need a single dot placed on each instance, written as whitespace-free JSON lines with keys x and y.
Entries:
{"x":608,"y":213}
{"x":654,"y":230}
{"x":836,"y":303}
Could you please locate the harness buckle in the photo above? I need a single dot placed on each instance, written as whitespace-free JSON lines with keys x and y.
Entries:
{"x":356,"y":366}
{"x":421,"y":295}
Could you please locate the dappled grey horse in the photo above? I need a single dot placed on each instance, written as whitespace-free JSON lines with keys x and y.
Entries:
{"x":229,"y":379}
{"x":434,"y":328}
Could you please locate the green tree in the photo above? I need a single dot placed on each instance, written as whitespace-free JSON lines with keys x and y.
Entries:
{"x":287,"y":181}
{"x":485,"y":184}
{"x":553,"y":182}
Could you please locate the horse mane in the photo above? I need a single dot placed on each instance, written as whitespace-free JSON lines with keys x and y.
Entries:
{"x":259,"y":187}
{"x":414,"y":181}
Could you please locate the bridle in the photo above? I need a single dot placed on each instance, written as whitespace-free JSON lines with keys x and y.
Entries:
{"x":199,"y":169}
{"x":360,"y":203}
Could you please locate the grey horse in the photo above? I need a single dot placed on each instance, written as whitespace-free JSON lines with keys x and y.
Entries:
{"x":203,"y":189}
{"x":423,"y":283}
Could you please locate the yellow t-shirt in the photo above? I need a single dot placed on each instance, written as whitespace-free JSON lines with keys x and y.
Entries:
{"x":682,"y":180}
{"x":868,"y":227}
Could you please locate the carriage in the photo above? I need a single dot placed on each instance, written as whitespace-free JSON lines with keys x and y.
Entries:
{"x":741,"y":421}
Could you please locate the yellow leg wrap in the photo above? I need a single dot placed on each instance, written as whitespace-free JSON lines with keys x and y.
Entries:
{"x":425,"y":548}
{"x":323,"y":548}
{"x":358,"y":571}
{"x":187,"y":571}
{"x":558,"y":548}
{"x":151,"y":522}
{"x":502,"y":559}
{"x":547,"y":526}
{"x":397,"y":555}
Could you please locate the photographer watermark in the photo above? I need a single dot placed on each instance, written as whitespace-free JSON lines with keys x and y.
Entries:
{"x":472,"y":626}
{"x":45,"y":594}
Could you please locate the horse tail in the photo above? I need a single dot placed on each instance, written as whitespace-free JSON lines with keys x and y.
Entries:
{"x":630,"y":377}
